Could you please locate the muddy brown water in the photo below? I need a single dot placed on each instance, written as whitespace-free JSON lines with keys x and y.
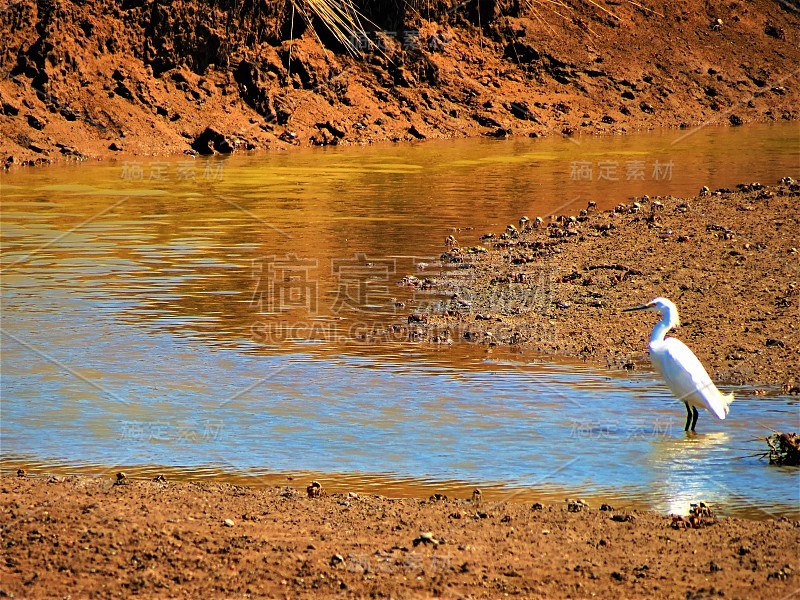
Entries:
{"x":241,"y":319}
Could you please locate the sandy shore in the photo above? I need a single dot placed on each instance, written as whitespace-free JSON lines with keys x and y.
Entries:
{"x":728,"y":258}
{"x":93,"y":538}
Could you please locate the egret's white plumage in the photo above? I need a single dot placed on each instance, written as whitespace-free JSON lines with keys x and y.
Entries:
{"x":683,"y":373}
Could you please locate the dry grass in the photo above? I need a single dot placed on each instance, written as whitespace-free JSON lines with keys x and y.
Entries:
{"x":342,"y":19}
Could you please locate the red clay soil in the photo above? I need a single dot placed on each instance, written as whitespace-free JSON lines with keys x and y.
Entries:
{"x":90,"y":538}
{"x":106,"y":78}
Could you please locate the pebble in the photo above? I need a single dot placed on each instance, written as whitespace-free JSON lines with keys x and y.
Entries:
{"x":228,"y":523}
{"x":426,"y":538}
{"x":314,"y":489}
{"x":336,"y":559}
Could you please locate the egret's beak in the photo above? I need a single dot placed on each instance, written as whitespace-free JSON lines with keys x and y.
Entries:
{"x":640,"y":307}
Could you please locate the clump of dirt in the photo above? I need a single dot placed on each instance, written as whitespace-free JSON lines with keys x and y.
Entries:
{"x":100,"y":78}
{"x":557,"y":284}
{"x":86,"y":537}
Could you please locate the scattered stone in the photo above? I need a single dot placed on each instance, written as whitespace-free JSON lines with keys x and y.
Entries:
{"x":576,"y":505}
{"x":416,"y":133}
{"x":335,"y":560}
{"x":228,"y":523}
{"x":521,"y":111}
{"x":425,"y":538}
{"x":113,"y":146}
{"x":627,"y":518}
{"x":314,"y":489}
{"x":10,"y":110}
{"x":123,"y":91}
{"x":36,"y":122}
{"x":774,"y":31}
{"x":211,"y":141}
{"x":785,"y":573}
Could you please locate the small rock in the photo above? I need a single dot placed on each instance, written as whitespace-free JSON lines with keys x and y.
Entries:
{"x":336,"y":559}
{"x":228,"y":523}
{"x":774,"y":31}
{"x":576,"y":505}
{"x":211,"y":141}
{"x":623,"y":518}
{"x":36,"y":122}
{"x":416,"y":133}
{"x":10,"y":109}
{"x":426,"y":538}
{"x":314,"y":489}
{"x":115,"y":147}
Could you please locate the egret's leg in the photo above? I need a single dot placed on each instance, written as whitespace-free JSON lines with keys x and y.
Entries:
{"x":694,"y":417}
{"x":688,"y":416}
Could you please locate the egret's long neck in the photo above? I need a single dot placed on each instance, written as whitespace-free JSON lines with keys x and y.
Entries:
{"x":661,"y":329}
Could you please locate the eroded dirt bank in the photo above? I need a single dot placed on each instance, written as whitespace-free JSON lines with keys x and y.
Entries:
{"x":102,"y":78}
{"x":728,"y":258}
{"x":86,"y":537}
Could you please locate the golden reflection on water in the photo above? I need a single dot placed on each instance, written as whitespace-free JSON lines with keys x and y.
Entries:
{"x":303,"y":252}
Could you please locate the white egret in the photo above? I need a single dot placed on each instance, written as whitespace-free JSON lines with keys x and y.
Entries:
{"x":680,"y":368}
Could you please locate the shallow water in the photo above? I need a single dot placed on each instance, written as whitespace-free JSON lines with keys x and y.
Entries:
{"x":231,"y":318}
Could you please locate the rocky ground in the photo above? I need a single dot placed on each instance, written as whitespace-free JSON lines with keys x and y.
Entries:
{"x":102,"y":538}
{"x":728,"y":258}
{"x":100,"y":79}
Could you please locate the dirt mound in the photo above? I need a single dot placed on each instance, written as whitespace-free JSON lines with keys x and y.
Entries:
{"x":103,"y":78}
